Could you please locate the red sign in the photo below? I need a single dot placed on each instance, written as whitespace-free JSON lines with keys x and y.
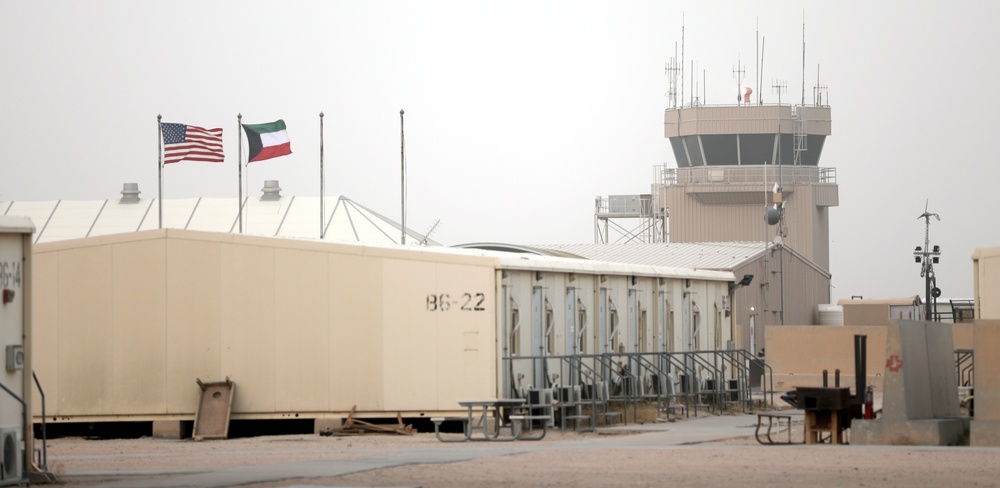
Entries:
{"x":894,"y":363}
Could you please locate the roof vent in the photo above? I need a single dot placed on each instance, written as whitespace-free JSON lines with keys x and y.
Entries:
{"x":271,"y":191}
{"x":130,"y":193}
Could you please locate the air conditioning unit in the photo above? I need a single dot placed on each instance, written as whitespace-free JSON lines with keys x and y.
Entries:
{"x":10,"y":453}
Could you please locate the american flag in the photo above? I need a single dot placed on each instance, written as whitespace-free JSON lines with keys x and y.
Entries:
{"x":191,"y":143}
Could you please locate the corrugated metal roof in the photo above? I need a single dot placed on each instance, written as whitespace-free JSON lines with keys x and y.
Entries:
{"x":294,"y":217}
{"x":710,"y":256}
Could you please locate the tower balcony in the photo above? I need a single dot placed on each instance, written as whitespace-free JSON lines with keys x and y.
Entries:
{"x":744,"y":185}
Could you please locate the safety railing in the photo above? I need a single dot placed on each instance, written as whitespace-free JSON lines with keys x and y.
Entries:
{"x":43,"y":462}
{"x":965,"y":367}
{"x":784,"y":175}
{"x":711,"y":379}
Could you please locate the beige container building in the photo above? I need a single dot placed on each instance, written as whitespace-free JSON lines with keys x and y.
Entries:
{"x":785,"y":287}
{"x":127,"y":323}
{"x":986,"y":282}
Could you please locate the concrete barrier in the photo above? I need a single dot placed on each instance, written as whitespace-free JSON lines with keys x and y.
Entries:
{"x":985,"y":427}
{"x":920,"y":389}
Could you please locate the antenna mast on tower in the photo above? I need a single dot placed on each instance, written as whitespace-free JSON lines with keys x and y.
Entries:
{"x":779,"y":87}
{"x":682,"y":59}
{"x":803,"y":102}
{"x":672,"y":71}
{"x":738,"y":72}
{"x":818,"y":91}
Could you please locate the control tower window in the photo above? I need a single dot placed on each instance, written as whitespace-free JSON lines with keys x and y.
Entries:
{"x":720,"y":150}
{"x":756,"y":149}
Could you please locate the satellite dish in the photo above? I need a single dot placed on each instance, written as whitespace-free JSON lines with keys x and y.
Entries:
{"x":772,"y":216}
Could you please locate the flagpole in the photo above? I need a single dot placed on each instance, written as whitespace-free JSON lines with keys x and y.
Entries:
{"x":239,"y":165}
{"x":159,"y":164}
{"x":402,"y":186}
{"x":322,"y":183}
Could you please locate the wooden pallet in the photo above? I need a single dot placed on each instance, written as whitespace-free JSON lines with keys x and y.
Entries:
{"x":353,"y":426}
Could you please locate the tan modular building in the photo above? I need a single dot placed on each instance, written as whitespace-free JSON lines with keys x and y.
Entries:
{"x":127,"y":323}
{"x":986,"y":282}
{"x":799,"y":354}
{"x":786,"y":288}
{"x":881,"y":311}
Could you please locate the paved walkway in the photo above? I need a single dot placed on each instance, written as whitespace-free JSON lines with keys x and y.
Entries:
{"x":641,"y":436}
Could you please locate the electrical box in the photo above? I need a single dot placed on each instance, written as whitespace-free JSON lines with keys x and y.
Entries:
{"x":15,"y":357}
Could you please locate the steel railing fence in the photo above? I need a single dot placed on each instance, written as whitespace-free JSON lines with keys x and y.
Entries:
{"x":709,"y":379}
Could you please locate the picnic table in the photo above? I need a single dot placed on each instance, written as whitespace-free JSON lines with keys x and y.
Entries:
{"x":483,"y":414}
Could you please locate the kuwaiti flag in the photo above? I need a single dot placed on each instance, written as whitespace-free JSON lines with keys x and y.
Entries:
{"x":267,"y":141}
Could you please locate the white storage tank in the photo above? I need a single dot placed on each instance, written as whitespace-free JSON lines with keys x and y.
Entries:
{"x":831,"y":314}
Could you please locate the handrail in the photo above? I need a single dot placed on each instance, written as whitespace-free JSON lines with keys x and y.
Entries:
{"x":695,"y":357}
{"x":576,"y":371}
{"x":965,"y":371}
{"x":741,"y":376}
{"x":45,"y":455}
{"x":722,"y":366}
{"x":672,"y":359}
{"x":748,"y":357}
{"x":661,"y":377}
{"x":787,"y":175}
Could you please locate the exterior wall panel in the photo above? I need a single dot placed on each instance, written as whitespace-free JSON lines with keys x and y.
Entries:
{"x":45,"y":310}
{"x":799,"y":354}
{"x":302,"y":336}
{"x":457,"y":332}
{"x":85,"y":365}
{"x":194,"y":321}
{"x":735,"y":119}
{"x":248,"y":329}
{"x":139,"y":327}
{"x":986,"y":282}
{"x":356,"y":358}
{"x":734,"y":220}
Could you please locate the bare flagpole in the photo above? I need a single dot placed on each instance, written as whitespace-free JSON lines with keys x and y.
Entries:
{"x":402,"y":186}
{"x":239,"y":165}
{"x":322,"y":186}
{"x":159,"y":163}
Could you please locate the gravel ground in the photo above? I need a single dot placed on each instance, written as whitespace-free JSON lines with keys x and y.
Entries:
{"x":560,"y":460}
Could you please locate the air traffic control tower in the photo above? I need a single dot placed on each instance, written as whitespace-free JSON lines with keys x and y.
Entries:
{"x":734,"y":162}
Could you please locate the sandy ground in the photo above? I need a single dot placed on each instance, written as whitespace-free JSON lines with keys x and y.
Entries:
{"x":560,"y":460}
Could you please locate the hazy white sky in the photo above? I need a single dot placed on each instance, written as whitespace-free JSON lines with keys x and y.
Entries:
{"x":517,"y":113}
